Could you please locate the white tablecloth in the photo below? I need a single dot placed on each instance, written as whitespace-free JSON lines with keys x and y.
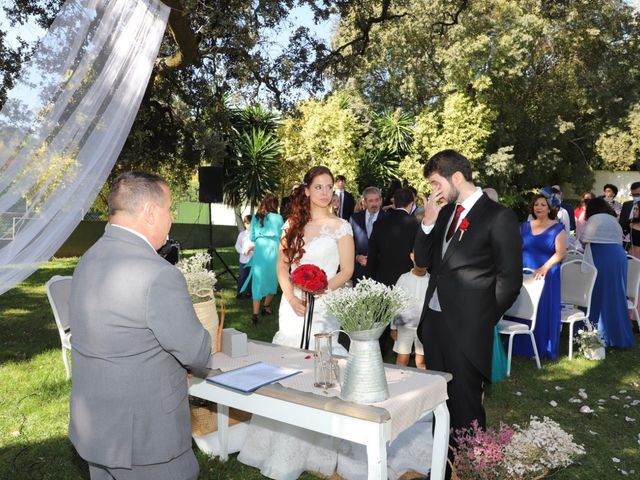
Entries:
{"x":412,"y":392}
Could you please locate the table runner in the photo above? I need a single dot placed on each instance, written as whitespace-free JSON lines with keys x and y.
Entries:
{"x":411,"y":391}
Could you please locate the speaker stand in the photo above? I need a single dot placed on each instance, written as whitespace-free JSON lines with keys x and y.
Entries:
{"x":212,"y":251}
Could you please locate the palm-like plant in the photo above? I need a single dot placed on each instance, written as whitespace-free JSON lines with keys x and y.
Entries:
{"x":255,"y":116}
{"x":395,"y":132}
{"x":376,"y":168}
{"x":252,"y":170}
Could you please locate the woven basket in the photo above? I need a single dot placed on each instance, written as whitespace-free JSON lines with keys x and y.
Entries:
{"x":208,"y":316}
{"x":204,"y":417}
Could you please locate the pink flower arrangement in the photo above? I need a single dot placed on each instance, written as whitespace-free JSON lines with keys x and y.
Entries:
{"x":479,"y":453}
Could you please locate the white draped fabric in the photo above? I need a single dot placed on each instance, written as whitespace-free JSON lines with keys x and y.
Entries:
{"x":66,"y":120}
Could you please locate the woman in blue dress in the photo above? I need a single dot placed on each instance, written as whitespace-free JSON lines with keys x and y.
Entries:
{"x":266,"y":229}
{"x":603,"y":238}
{"x":544,"y":244}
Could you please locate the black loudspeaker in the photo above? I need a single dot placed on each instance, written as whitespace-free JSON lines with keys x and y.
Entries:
{"x":211,"y":182}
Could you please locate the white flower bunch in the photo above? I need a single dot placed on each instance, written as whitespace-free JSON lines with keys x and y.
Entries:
{"x":369,"y":305}
{"x":200,"y":281}
{"x":538,"y":449}
{"x":589,"y":338}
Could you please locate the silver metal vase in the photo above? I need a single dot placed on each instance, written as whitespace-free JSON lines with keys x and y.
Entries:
{"x":364,"y":378}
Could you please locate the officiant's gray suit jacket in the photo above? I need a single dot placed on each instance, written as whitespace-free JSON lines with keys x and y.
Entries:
{"x":134,"y":332}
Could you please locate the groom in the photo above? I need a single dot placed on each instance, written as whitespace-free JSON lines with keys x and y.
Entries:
{"x":473,"y":251}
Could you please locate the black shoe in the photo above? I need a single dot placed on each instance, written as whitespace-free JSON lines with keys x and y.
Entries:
{"x":254,"y":319}
{"x":266,"y":310}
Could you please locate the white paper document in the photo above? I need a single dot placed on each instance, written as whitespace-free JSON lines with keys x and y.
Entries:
{"x":252,"y":377}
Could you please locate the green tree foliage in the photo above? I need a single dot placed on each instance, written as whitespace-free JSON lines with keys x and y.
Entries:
{"x":535,"y":91}
{"x":459,"y":123}
{"x":550,"y":76}
{"x":619,"y":146}
{"x":321,"y":132}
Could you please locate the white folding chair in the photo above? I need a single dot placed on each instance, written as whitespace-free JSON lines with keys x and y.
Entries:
{"x":58,"y":290}
{"x":526,"y":308}
{"x":633,"y":284}
{"x":572,"y":255}
{"x":577,"y":281}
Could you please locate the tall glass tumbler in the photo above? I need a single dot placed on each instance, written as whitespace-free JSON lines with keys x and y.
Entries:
{"x":325,"y":367}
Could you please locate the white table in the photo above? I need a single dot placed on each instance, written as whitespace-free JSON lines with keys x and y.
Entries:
{"x":364,"y":424}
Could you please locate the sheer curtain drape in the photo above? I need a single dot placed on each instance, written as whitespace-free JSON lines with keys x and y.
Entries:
{"x":66,"y":120}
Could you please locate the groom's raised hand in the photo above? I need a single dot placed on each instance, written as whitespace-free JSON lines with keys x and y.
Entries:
{"x":432,"y":205}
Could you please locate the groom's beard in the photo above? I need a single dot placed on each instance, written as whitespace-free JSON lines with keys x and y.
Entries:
{"x":453,"y":195}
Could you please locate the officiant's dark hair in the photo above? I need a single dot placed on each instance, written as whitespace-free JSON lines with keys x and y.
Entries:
{"x":131,"y":190}
{"x":448,"y":162}
{"x":293,"y":239}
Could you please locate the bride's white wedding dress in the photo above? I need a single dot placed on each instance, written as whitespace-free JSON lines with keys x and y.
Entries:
{"x":283,"y":451}
{"x":321,"y":249}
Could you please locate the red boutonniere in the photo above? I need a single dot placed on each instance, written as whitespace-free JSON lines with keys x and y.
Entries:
{"x":463,"y":227}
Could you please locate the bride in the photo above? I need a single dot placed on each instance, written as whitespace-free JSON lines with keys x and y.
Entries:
{"x":312,"y":235}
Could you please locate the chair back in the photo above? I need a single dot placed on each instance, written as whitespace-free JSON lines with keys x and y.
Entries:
{"x":633,"y":278}
{"x":577,"y":281}
{"x":58,"y":291}
{"x":572,"y":255}
{"x":526,"y":305}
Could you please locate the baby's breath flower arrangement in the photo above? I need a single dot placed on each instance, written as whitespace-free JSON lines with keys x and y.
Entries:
{"x":540,"y":448}
{"x":367,"y":306}
{"x":200,"y":281}
{"x":589,"y":339}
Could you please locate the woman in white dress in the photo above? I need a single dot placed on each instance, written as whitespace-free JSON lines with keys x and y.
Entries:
{"x":312,"y":235}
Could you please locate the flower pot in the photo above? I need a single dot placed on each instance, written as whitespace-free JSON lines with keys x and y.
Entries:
{"x":208,"y":316}
{"x":595,"y":353}
{"x":364,"y":378}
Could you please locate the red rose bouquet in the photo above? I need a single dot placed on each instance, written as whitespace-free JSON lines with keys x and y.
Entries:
{"x":312,"y":280}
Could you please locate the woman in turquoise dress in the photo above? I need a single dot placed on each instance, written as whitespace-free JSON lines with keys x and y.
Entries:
{"x":603,"y":238}
{"x":266,"y":227}
{"x":544,"y":245}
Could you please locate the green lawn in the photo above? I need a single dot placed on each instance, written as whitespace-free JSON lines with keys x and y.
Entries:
{"x":34,"y":394}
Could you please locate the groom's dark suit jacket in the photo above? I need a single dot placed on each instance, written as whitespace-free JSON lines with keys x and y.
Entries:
{"x":478,"y":278}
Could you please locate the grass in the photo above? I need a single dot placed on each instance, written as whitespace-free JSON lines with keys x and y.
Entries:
{"x":34,"y":395}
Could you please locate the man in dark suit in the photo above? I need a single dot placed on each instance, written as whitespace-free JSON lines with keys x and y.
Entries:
{"x":347,"y":202}
{"x":625,"y":213}
{"x":135,"y":334}
{"x":390,"y":244}
{"x":391,"y":241}
{"x":473,"y":251}
{"x":362,"y":226}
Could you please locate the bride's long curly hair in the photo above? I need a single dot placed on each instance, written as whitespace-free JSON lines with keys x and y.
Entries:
{"x":293,"y":239}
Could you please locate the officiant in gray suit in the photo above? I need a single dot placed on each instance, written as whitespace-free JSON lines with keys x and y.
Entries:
{"x":135,"y":335}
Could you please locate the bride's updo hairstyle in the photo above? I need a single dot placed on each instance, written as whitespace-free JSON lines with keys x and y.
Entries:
{"x":300,"y":215}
